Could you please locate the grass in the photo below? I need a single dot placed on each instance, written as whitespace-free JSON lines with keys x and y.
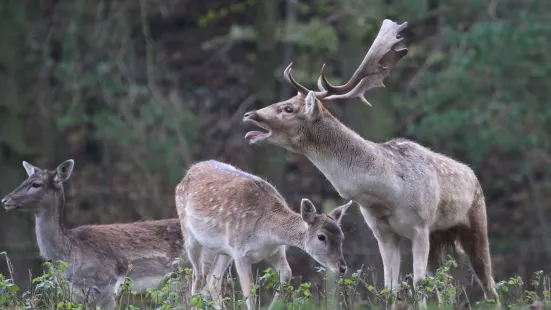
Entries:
{"x":357,"y":291}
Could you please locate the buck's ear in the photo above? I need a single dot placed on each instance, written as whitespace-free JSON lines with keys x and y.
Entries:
{"x":64,"y":170}
{"x":313,"y":109}
{"x":339,"y":212}
{"x":30,"y":168}
{"x":307,"y":211}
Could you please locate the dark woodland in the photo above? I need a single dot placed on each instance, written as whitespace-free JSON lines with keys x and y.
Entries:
{"x":137,"y":91}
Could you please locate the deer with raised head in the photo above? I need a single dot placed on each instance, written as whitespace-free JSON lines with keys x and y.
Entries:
{"x":98,"y":256}
{"x":243,"y":218}
{"x":405,"y":190}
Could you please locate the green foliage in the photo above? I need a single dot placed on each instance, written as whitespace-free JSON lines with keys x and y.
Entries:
{"x":94,"y":86}
{"x":487,"y":91}
{"x":8,"y":292}
{"x":51,"y":291}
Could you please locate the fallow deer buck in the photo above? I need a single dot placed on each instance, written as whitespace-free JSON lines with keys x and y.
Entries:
{"x":244,"y":219}
{"x":405,"y":190}
{"x":98,"y":255}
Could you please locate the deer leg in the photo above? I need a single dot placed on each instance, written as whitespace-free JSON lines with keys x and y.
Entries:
{"x":208,"y":259}
{"x":279,"y":261}
{"x":474,"y":241}
{"x":102,"y":294}
{"x":390,"y":253}
{"x":194,"y":249}
{"x":420,"y":250}
{"x":214,"y":281}
{"x":105,"y":298}
{"x":244,"y":270}
{"x":389,"y":248}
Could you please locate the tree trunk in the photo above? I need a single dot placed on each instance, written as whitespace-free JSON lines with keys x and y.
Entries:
{"x":265,"y":163}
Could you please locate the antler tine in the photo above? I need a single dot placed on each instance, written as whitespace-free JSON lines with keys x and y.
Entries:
{"x":322,"y":80}
{"x":289,"y":78}
{"x":376,"y":65}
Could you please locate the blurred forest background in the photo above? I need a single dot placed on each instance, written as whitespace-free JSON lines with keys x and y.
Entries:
{"x":137,"y":90}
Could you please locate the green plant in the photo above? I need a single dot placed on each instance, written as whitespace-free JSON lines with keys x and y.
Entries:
{"x":51,"y":291}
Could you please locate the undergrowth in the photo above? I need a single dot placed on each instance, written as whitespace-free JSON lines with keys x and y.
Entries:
{"x":355,"y":291}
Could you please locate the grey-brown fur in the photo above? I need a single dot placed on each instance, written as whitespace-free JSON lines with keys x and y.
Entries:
{"x":405,"y":190}
{"x":241,"y":217}
{"x":98,"y":255}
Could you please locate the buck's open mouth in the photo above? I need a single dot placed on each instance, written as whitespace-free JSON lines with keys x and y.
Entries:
{"x":255,"y":135}
{"x":10,"y":207}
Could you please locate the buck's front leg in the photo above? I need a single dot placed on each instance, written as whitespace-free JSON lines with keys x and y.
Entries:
{"x":420,"y":251}
{"x":281,"y":265}
{"x":389,"y":248}
{"x":244,"y":270}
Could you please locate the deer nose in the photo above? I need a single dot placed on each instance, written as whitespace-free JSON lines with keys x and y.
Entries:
{"x":342,"y":266}
{"x":5,"y":200}
{"x":250,"y":114}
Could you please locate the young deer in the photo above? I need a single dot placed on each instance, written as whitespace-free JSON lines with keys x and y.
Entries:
{"x":98,"y":255}
{"x":244,"y":218}
{"x":405,"y":190}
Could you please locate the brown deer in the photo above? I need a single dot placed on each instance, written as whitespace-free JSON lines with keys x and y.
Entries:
{"x":405,"y":190}
{"x":98,"y":255}
{"x":245,"y":219}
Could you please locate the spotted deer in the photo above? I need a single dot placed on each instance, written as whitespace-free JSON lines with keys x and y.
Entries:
{"x":243,"y":218}
{"x":405,"y":190}
{"x":98,"y":256}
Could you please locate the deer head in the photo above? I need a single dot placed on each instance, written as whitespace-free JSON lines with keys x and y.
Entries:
{"x":324,"y":238}
{"x":40,"y":186}
{"x":289,"y":123}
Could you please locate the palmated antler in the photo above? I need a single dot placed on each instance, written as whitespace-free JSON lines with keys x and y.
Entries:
{"x":376,"y":65}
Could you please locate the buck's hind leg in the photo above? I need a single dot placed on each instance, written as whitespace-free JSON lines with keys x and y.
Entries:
{"x":474,"y":241}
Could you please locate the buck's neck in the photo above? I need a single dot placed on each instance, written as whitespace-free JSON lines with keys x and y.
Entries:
{"x":342,"y":156}
{"x":50,"y":234}
{"x":288,"y":228}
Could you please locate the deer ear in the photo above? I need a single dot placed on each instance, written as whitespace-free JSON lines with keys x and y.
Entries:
{"x":64,"y":170}
{"x":30,"y":168}
{"x":339,"y":212}
{"x":307,"y":211}
{"x":312,"y":107}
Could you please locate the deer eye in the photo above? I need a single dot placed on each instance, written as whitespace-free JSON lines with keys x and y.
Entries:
{"x":321,"y":238}
{"x":36,"y":184}
{"x":288,"y":110}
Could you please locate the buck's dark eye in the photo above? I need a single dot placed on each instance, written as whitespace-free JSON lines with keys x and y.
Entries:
{"x":288,"y":110}
{"x":321,"y":238}
{"x":36,"y":185}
